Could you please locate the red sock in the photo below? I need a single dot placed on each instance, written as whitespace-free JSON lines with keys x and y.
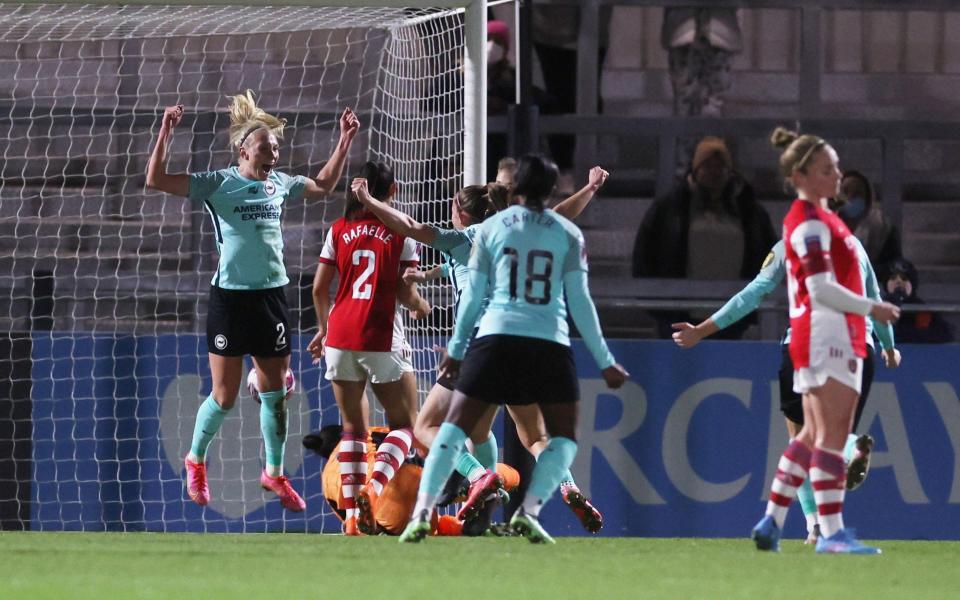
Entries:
{"x":828,"y":475}
{"x":353,"y":468}
{"x":791,"y":471}
{"x":390,"y":456}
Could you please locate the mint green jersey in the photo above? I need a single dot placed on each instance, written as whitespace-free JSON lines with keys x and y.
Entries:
{"x":246,"y":216}
{"x":456,"y":246}
{"x":772,"y":273}
{"x":529,"y":259}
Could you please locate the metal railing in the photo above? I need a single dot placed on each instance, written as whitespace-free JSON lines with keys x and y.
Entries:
{"x":524,"y":126}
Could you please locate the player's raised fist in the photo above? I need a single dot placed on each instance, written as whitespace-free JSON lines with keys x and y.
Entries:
{"x":359,"y":187}
{"x":172,"y":116}
{"x":349,"y":123}
{"x":597,"y":178}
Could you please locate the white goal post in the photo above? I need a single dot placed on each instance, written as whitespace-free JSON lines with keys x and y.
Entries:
{"x":104,"y":284}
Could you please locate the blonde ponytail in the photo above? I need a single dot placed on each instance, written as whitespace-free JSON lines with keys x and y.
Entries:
{"x":246,"y":117}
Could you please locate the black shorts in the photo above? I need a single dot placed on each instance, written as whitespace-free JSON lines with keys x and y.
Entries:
{"x":254,"y":322}
{"x":511,"y":369}
{"x":791,"y":403}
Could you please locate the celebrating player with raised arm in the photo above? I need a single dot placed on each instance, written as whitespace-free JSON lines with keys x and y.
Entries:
{"x":827,"y":344}
{"x":247,"y":312}
{"x":530,"y":256}
{"x":471,"y":207}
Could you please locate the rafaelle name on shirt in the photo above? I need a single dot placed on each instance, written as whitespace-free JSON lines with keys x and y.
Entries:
{"x":376,"y":231}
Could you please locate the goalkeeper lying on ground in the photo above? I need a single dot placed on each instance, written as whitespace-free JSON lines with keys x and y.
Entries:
{"x":396,"y":503}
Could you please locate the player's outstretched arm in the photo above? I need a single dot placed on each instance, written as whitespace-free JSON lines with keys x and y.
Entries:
{"x":415,"y":275}
{"x":321,"y":304}
{"x":742,"y":303}
{"x":574,"y":205}
{"x":402,"y":223}
{"x":157,"y":176}
{"x":688,"y":336}
{"x":326,"y":179}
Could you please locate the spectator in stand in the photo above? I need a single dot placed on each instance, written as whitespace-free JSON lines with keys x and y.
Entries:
{"x":501,"y":77}
{"x":710,"y":227}
{"x":556,"y":31}
{"x":900,"y":283}
{"x":863,"y":215}
{"x":700,"y":44}
{"x":501,"y":87}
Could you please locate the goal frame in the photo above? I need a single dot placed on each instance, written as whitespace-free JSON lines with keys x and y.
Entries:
{"x":474,"y":60}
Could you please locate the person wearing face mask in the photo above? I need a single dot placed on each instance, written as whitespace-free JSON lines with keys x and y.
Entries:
{"x":900,"y":283}
{"x":862,"y":214}
{"x":710,"y":227}
{"x":501,"y":88}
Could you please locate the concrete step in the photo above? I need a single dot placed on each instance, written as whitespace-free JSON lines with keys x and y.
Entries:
{"x":610,"y":267}
{"x":936,"y":274}
{"x":618,"y":212}
{"x":932,"y":248}
{"x":929,"y":217}
{"x":616,"y":244}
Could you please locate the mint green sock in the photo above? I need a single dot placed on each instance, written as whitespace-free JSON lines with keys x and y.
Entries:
{"x":552,"y":464}
{"x":209,"y":419}
{"x":805,"y":495}
{"x":469,"y":466}
{"x":273,"y":426}
{"x":446,"y":449}
{"x":850,"y":448}
{"x":487,"y":452}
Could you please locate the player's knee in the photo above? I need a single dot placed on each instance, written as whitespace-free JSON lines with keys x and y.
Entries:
{"x":224,"y":399}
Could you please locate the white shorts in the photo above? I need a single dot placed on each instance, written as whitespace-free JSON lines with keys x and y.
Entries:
{"x":375,"y":367}
{"x":848,"y":371}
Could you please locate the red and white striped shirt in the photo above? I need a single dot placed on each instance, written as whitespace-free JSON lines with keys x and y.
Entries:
{"x":817,"y":241}
{"x":370,"y":259}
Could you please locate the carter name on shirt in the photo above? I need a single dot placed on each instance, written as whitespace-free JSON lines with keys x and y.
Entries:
{"x":536,"y":218}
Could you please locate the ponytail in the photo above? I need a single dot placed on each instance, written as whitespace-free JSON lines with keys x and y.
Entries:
{"x":796,"y":150}
{"x":246,"y":117}
{"x":380,"y":180}
{"x":536,"y":176}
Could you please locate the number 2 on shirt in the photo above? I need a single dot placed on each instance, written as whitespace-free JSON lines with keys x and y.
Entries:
{"x":361,"y":289}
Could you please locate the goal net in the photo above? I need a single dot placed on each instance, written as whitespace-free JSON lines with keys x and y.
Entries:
{"x":104,"y":285}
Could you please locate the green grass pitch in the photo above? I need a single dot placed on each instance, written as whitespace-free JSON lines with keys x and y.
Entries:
{"x":37,"y":566}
